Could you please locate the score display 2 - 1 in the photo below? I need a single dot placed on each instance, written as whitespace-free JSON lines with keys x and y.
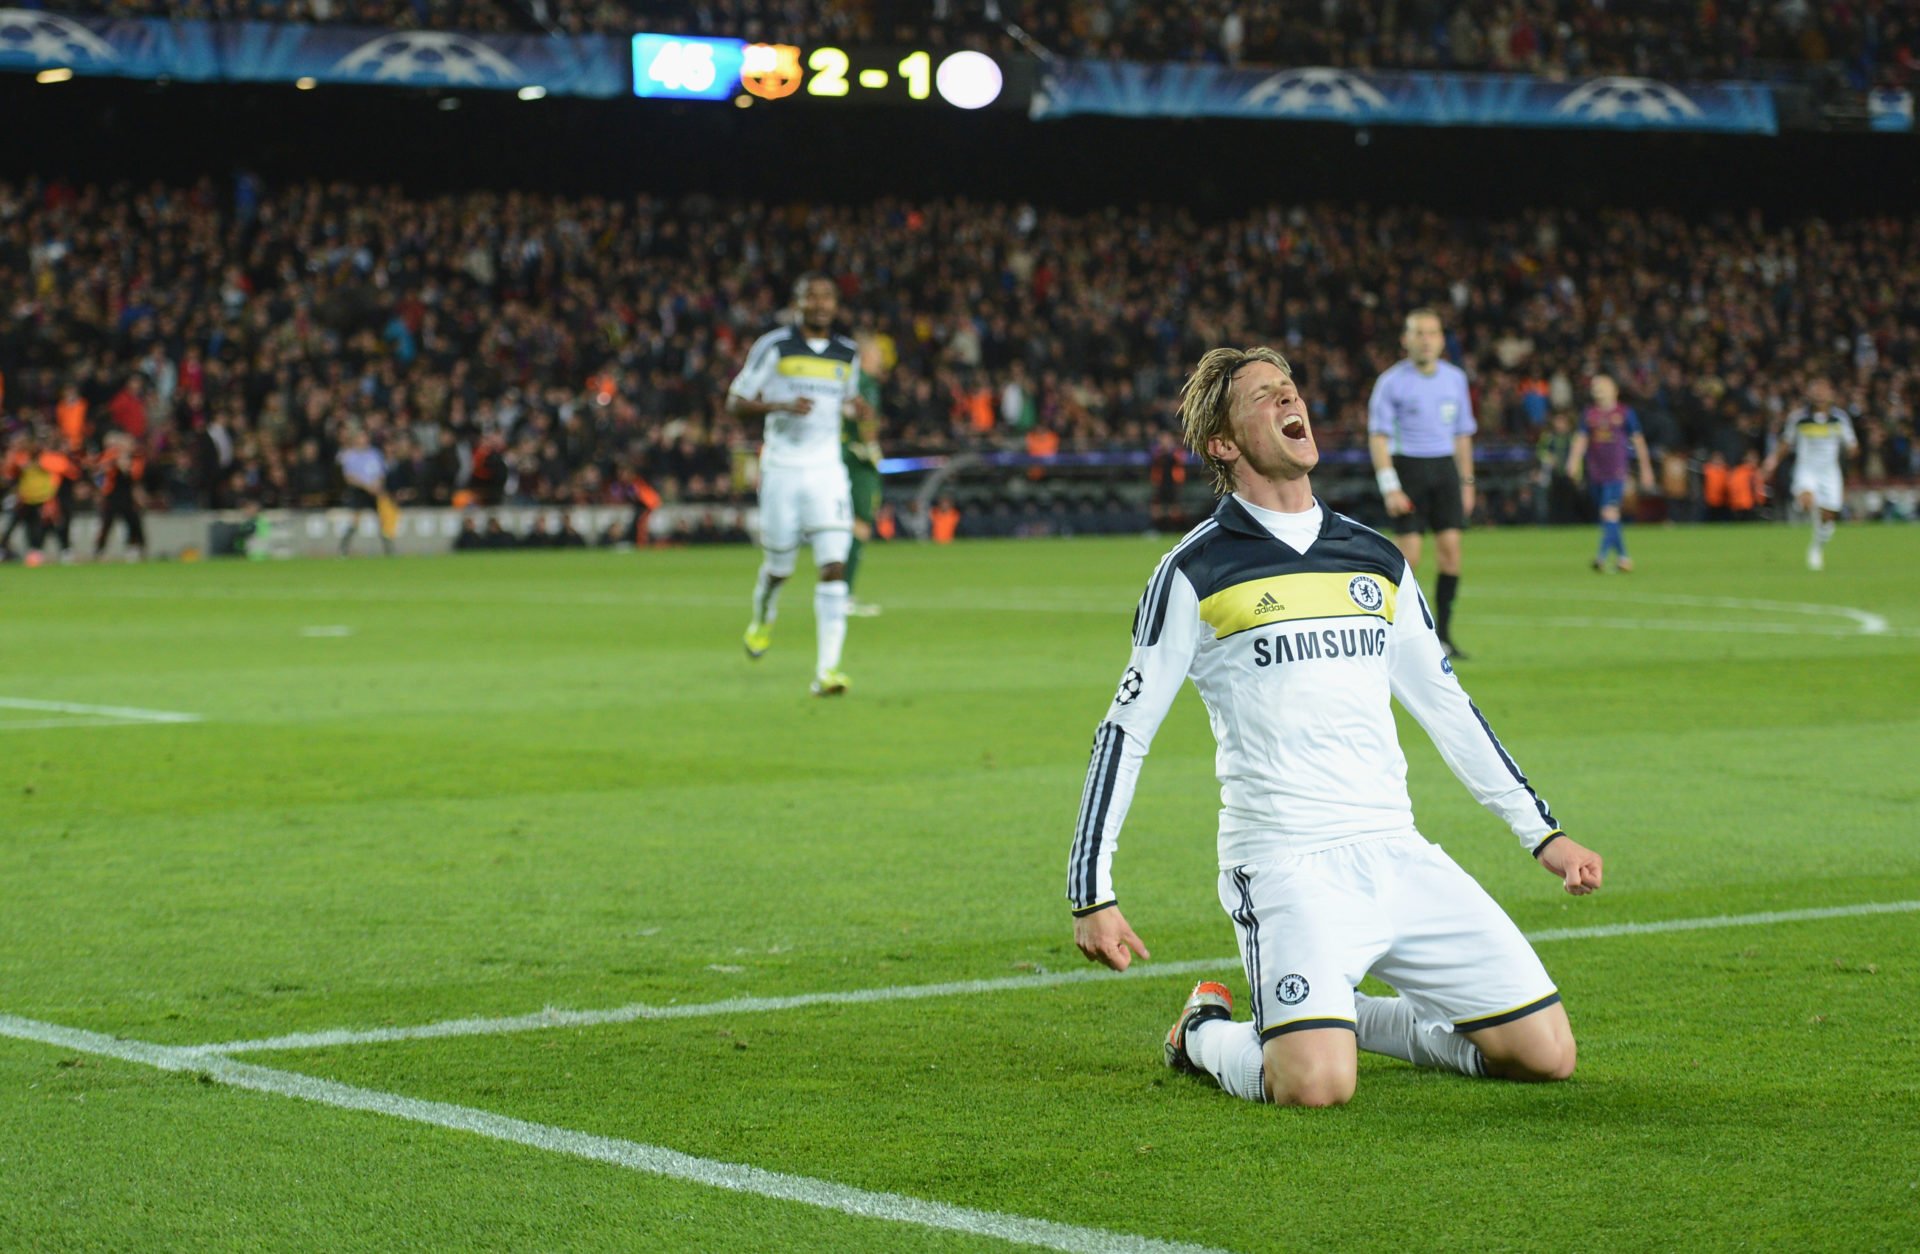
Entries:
{"x":685,"y":67}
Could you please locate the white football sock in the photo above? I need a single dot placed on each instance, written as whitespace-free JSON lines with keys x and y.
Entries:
{"x":1230,"y":1053}
{"x":766,"y":597}
{"x":830,"y":622}
{"x":1386,"y":1025}
{"x":1823,"y":532}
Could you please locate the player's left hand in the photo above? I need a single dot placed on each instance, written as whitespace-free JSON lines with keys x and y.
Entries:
{"x":1466,"y":500}
{"x":1646,"y":483}
{"x":1576,"y":865}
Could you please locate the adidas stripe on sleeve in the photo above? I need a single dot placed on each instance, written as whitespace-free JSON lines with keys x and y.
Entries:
{"x":763,"y":359}
{"x":1166,"y":632}
{"x":1423,"y":681}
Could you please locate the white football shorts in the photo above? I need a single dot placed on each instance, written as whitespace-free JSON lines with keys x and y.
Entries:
{"x":1312,"y":924}
{"x":805,"y":504}
{"x":1828,"y":491}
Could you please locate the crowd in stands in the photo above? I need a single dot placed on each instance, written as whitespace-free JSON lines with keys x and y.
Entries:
{"x":538,"y":349}
{"x":1667,"y":39}
{"x":1874,"y":41}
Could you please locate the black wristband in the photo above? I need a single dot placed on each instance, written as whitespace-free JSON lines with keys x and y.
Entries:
{"x":1081,"y":912}
{"x":1551,"y":837}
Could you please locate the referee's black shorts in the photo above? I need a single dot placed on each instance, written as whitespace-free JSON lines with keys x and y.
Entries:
{"x":359,"y":498}
{"x":1433,"y":485}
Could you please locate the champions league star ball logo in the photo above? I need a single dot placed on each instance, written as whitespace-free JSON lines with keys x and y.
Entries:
{"x":49,"y":39}
{"x":432,"y":57}
{"x":1628,"y":100}
{"x":1318,"y":92}
{"x":1130,"y":684}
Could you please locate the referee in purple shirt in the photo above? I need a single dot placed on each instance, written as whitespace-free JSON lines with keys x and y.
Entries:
{"x":1420,"y":431}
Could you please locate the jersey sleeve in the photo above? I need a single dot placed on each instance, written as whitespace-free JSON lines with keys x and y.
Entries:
{"x":1465,"y":424}
{"x":753,"y":378}
{"x":1847,"y":435}
{"x":1166,"y":631}
{"x":1423,"y":680}
{"x":1380,"y":410}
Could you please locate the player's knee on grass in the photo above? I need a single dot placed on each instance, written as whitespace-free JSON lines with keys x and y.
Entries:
{"x":1317,"y":1067}
{"x":1538,"y":1048}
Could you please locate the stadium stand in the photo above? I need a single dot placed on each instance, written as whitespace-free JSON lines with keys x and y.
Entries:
{"x":523,"y":348}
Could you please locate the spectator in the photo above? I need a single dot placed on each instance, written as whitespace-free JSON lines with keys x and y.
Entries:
{"x":541,"y":384}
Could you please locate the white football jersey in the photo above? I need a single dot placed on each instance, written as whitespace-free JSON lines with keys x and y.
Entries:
{"x":785,"y":365}
{"x":1820,"y":440}
{"x":1298,"y":656}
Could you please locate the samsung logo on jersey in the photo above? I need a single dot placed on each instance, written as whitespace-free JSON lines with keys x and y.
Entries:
{"x":1332,"y":642}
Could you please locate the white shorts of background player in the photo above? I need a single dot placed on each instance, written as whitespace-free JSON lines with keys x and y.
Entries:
{"x":1828,"y":491}
{"x":805,"y":504}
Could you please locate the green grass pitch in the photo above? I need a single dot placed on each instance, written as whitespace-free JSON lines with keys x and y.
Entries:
{"x":423,"y":790}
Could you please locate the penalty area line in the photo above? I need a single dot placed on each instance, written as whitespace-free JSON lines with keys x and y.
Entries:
{"x":118,"y":713}
{"x":552,"y":1018}
{"x":632,"y":1155}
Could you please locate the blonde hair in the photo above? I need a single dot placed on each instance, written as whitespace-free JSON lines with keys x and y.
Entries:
{"x":1206,"y":404}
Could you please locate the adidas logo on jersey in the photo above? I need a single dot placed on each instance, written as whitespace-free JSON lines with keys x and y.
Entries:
{"x":1267,"y":605}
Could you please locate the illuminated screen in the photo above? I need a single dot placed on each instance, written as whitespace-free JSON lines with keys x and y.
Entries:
{"x":682,"y":67}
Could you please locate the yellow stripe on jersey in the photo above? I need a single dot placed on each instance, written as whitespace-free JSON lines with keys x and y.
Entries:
{"x":1820,"y":430}
{"x":1309,"y":594}
{"x":798,"y":367}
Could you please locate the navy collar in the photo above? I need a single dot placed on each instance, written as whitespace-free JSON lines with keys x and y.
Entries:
{"x":1233,"y":516}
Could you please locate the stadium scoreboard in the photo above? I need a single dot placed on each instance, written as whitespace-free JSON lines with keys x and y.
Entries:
{"x":686,"y":67}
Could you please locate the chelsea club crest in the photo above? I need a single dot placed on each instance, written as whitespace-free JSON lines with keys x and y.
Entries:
{"x":1365,"y":591}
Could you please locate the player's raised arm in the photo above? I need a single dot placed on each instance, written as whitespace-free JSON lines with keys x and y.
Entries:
{"x":1165,"y":633}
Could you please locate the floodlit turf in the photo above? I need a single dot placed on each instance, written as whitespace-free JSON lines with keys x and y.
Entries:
{"x":502,"y":783}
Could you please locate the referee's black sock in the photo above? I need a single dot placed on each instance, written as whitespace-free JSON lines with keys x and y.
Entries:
{"x":1443,"y":606}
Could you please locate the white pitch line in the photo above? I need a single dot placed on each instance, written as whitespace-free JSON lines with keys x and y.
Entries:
{"x":122,"y":713}
{"x":45,"y":724}
{"x":632,"y":1155}
{"x":1667,"y":624}
{"x":1866,"y":622}
{"x":1724,"y":920}
{"x":551,"y":1018}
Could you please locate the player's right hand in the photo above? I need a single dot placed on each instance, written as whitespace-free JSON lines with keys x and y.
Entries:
{"x":799,"y":405}
{"x":1399,"y":503}
{"x":1105,"y":938}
